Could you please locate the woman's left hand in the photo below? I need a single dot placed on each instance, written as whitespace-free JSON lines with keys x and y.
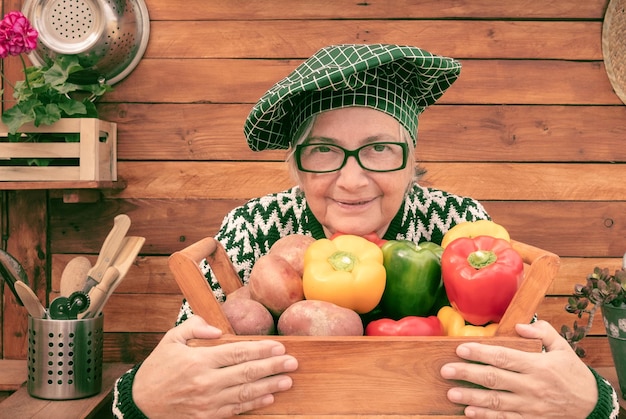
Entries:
{"x":518,"y":384}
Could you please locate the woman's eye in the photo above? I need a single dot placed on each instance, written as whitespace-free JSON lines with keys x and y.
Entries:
{"x":379,"y":147}
{"x":321,"y":148}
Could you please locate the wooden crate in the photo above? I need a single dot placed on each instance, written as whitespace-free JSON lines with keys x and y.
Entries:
{"x":364,"y":376}
{"x":96,"y":152}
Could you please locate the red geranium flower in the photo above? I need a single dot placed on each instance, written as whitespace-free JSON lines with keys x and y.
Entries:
{"x":17,"y":36}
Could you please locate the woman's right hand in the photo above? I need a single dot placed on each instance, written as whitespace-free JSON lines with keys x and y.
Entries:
{"x":221,"y":381}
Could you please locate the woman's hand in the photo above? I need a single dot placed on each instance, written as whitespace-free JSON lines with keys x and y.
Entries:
{"x":522,"y":384}
{"x":218,"y":382}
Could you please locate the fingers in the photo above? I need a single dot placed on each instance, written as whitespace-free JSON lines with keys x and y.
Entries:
{"x":484,"y":403}
{"x":550,"y":338}
{"x":250,"y":373}
{"x":255,"y":395}
{"x":236,"y":353}
{"x":498,"y":356}
{"x":194,"y":328}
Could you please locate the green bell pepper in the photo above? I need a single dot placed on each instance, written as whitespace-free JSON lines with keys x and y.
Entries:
{"x":414,"y":286}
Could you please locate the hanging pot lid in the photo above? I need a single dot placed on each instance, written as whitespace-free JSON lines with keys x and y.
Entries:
{"x":614,"y":46}
{"x":108,"y":36}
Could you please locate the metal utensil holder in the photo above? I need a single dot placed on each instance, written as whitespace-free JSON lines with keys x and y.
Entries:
{"x":65,"y":358}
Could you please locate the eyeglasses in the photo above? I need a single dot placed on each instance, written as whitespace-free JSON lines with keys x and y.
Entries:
{"x":375,"y":157}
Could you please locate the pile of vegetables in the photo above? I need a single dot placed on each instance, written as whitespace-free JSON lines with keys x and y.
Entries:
{"x":350,"y":286}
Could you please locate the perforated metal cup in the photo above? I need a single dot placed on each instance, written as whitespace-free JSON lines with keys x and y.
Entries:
{"x":65,"y":358}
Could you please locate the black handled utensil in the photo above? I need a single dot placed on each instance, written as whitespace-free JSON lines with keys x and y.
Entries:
{"x":12,"y":271}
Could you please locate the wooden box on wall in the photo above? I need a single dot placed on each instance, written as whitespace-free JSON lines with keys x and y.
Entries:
{"x":92,"y":158}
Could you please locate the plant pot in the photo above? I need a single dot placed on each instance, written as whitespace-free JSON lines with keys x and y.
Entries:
{"x":615,"y":325}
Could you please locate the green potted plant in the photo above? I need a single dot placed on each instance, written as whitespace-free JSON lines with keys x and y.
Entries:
{"x":48,"y":93}
{"x":608,"y":292}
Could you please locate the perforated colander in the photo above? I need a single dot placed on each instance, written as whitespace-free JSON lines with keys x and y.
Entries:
{"x":108,"y":36}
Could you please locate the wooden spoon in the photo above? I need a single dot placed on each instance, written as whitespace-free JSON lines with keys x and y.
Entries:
{"x":74,"y":275}
{"x":31,"y":301}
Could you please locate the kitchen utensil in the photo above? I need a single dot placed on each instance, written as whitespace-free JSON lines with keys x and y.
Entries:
{"x":11,"y":270}
{"x":108,"y":36}
{"x":68,"y":308}
{"x":114,"y":275}
{"x":31,"y":301}
{"x":109,"y":250}
{"x":74,"y":274}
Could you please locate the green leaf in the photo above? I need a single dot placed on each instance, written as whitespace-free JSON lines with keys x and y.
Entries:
{"x":47,"y":115}
{"x":73,"y":107}
{"x":14,"y":118}
{"x":61,"y":69}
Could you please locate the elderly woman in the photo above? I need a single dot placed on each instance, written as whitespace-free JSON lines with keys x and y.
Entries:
{"x":349,"y":114}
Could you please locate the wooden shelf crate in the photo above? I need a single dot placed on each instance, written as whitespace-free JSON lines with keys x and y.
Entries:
{"x":362,"y":376}
{"x":96,"y":152}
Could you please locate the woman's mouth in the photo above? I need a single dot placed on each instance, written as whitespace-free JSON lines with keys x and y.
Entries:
{"x":352,"y":203}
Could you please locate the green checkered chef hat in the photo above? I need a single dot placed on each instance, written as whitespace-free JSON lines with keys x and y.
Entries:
{"x":398,"y":80}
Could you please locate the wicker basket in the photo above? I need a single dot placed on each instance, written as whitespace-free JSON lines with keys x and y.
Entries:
{"x":614,"y":46}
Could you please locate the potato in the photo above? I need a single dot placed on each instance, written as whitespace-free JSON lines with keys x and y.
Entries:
{"x":248,"y":317}
{"x":241,"y":292}
{"x":319,"y":318}
{"x":292,"y":248}
{"x":275,"y":283}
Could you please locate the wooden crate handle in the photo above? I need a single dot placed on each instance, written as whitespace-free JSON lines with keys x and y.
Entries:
{"x":185,"y":266}
{"x":543,"y":268}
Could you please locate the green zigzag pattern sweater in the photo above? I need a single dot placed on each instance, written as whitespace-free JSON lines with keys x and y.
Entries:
{"x":249,"y":231}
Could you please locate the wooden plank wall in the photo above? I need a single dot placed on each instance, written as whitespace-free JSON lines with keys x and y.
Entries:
{"x":532,"y":128}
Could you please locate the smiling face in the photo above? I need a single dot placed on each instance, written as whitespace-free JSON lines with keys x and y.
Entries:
{"x":353,"y":200}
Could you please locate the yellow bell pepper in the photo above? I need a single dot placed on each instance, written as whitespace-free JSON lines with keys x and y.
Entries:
{"x":454,"y":324}
{"x":473,"y":229}
{"x":347,"y":270}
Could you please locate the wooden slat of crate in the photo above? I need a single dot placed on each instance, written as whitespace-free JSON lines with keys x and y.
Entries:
{"x":369,"y":375}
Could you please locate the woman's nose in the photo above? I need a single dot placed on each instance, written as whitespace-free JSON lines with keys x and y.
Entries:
{"x":352,"y":174}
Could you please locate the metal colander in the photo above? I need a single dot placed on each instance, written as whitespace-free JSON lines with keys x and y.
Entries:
{"x":108,"y":36}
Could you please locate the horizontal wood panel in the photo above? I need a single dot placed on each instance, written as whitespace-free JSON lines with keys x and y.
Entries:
{"x":141,"y":313}
{"x":569,"y":229}
{"x":584,"y":229}
{"x":129,"y":347}
{"x":482,"y":181}
{"x":446,"y":133}
{"x":346,"y":9}
{"x":552,"y":310}
{"x":574,"y":40}
{"x":573,"y":271}
{"x":481,"y":82}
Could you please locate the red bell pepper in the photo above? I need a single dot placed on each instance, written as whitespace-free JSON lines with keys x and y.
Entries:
{"x":406,"y":326}
{"x":481,"y":275}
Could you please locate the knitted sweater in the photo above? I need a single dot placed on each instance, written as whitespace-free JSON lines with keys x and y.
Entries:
{"x":249,"y":231}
